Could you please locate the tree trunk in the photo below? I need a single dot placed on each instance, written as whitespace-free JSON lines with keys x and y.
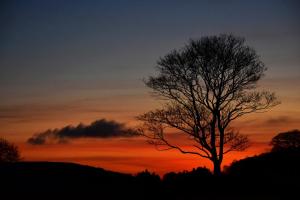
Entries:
{"x":217,"y":168}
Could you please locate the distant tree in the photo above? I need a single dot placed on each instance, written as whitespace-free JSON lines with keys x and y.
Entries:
{"x":148,"y":178}
{"x":207,"y":84}
{"x":8,"y":152}
{"x":191,"y":180}
{"x":187,"y":176}
{"x":286,"y":141}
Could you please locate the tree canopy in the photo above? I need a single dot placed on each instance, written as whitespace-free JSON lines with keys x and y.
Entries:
{"x":206,"y":85}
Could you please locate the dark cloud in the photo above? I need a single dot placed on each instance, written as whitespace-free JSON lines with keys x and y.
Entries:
{"x":97,"y":129}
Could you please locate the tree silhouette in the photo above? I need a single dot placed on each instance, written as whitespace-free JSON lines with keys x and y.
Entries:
{"x":8,"y":152}
{"x":286,"y":141}
{"x":206,"y":85}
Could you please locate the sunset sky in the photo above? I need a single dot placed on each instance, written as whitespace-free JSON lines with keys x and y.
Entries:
{"x":69,"y":62}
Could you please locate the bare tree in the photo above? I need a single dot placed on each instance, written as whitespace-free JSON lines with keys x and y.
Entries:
{"x":206,"y":85}
{"x":8,"y":152}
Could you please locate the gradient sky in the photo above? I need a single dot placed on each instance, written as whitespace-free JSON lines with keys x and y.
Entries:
{"x":66,"y":62}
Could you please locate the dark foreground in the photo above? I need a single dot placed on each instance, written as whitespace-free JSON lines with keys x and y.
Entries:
{"x":268,"y":176}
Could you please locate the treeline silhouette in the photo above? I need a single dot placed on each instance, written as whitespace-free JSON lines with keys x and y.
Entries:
{"x":273,"y":175}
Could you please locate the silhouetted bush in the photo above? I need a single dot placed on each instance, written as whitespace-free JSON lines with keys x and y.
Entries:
{"x":289,"y":141}
{"x":8,"y":152}
{"x":146,"y":176}
{"x":186,"y":176}
{"x":177,"y":183}
{"x":147,"y":179}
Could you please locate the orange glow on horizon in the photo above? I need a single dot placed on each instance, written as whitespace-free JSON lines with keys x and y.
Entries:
{"x":126,"y":155}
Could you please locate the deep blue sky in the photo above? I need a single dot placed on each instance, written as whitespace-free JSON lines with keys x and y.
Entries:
{"x":56,"y":52}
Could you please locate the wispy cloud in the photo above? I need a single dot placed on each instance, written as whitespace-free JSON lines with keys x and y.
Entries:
{"x":279,"y":120}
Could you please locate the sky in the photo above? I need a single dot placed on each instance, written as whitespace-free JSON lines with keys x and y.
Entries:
{"x":69,"y":62}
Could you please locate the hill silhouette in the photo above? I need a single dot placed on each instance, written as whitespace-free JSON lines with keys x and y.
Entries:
{"x":279,"y":164}
{"x":272,"y":175}
{"x":56,"y":180}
